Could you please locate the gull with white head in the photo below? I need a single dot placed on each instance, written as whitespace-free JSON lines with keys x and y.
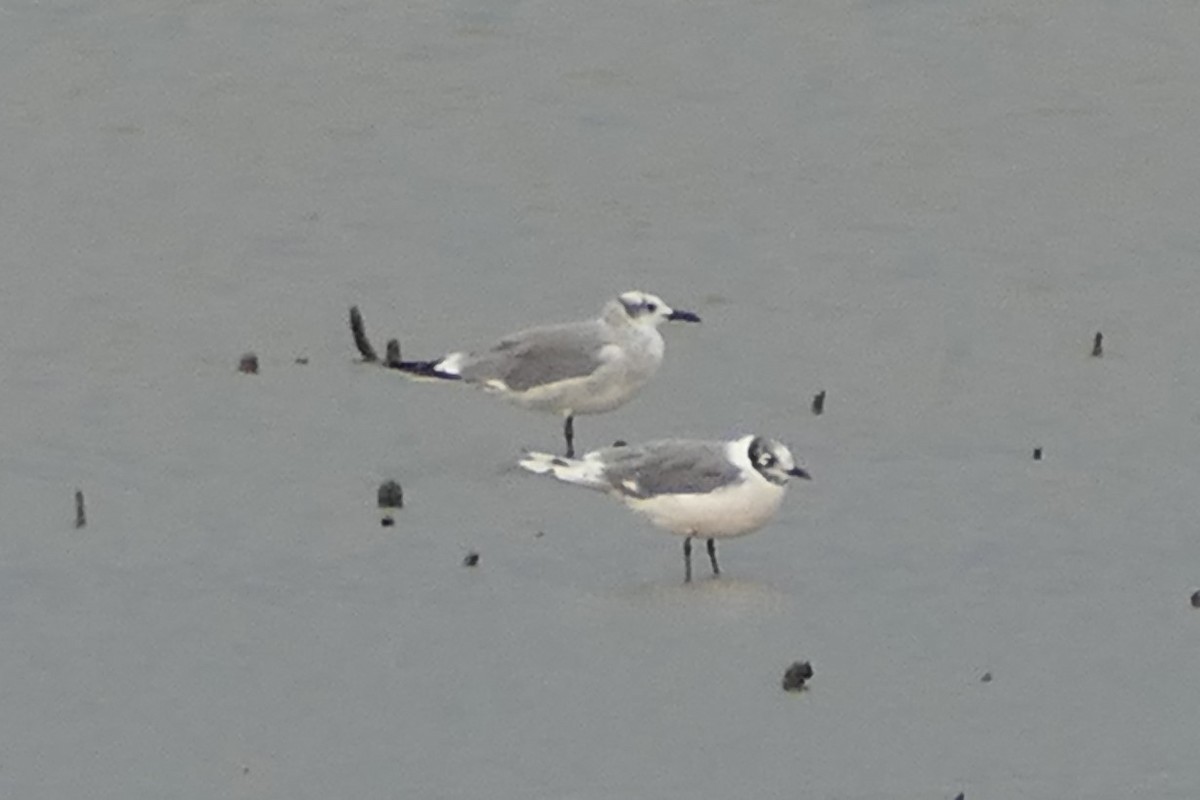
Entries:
{"x":586,"y":367}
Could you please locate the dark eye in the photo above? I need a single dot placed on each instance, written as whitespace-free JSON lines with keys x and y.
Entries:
{"x":651,"y":307}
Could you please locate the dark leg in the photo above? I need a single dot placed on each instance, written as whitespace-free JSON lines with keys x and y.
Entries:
{"x":569,"y":432}
{"x":712,"y":556}
{"x":687,"y":560}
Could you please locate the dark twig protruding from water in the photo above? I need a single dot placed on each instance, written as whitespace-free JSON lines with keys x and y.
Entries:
{"x":359,"y":330}
{"x":796,"y":676}
{"x":818,"y":403}
{"x":248,"y":364}
{"x":391,"y":358}
{"x":471,"y":559}
{"x":569,"y":435}
{"x":1037,"y":454}
{"x":390,"y":495}
{"x":80,"y":513}
{"x":1098,"y":345}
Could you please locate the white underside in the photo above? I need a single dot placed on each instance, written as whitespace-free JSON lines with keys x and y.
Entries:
{"x":595,"y":394}
{"x":725,"y":513}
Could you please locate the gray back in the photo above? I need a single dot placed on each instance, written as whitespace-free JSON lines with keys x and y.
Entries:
{"x":540,"y":356}
{"x":669,"y":466}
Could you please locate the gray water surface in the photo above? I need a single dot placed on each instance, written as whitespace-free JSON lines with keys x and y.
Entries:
{"x":925,"y":208}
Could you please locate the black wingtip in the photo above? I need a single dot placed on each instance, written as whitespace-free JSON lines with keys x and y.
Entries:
{"x":424,"y":369}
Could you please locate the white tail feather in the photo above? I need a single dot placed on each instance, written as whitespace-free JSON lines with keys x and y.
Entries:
{"x":572,"y":470}
{"x":541,"y":463}
{"x":451,"y":364}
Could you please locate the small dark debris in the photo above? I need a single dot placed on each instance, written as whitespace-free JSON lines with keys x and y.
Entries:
{"x":80,"y":514}
{"x":471,"y":559}
{"x":391,"y":495}
{"x":796,"y":675}
{"x":391,"y":357}
{"x":539,"y":534}
{"x":818,"y":403}
{"x":987,"y":678}
{"x":248,"y":364}
{"x":961,"y":796}
{"x":1098,"y":345}
{"x":1037,"y":454}
{"x":387,"y":521}
{"x":1196,"y":599}
{"x":302,"y":360}
{"x":620,"y":443}
{"x":245,"y":770}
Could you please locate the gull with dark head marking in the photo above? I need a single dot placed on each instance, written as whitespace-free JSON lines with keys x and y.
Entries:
{"x":695,"y":489}
{"x":575,"y":368}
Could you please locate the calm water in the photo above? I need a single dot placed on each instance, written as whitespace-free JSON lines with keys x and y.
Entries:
{"x":920,"y":206}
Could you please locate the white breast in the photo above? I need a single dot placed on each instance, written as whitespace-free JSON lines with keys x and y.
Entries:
{"x":734,"y":511}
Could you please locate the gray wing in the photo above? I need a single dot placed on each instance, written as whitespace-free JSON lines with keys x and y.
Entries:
{"x":670,"y":466}
{"x":539,"y":356}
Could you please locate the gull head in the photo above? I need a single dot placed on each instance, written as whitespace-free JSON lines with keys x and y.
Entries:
{"x":642,"y":308}
{"x":774,"y":461}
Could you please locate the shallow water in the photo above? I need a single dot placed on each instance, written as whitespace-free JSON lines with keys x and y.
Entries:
{"x":926,"y":209}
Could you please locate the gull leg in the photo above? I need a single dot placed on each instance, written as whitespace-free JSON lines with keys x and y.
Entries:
{"x":569,"y":433}
{"x":687,"y":560}
{"x":712,"y":556}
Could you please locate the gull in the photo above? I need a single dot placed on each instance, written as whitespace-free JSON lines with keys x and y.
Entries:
{"x":586,"y":367}
{"x":695,"y":489}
